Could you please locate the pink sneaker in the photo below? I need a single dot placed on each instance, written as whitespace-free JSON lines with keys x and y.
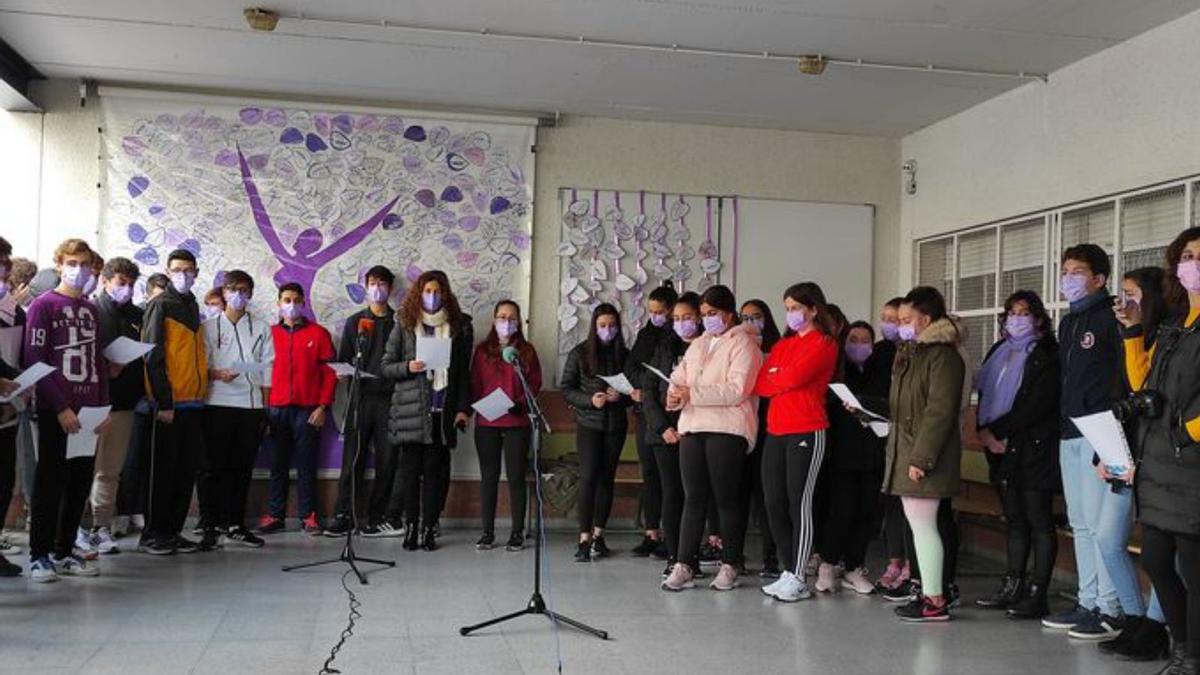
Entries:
{"x":890,"y":577}
{"x":827,"y":578}
{"x":726,"y":580}
{"x":681,"y":578}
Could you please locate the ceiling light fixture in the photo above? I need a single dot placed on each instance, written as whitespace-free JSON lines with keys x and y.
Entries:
{"x":261,"y":19}
{"x":810,"y":64}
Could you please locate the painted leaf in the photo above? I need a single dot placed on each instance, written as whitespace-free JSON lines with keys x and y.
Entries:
{"x":580,"y":207}
{"x":679,"y":210}
{"x":624,"y":283}
{"x":568,"y":285}
{"x":566,"y":249}
{"x":710,"y":265}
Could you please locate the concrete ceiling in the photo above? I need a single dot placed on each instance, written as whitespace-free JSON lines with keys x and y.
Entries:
{"x":206,"y":43}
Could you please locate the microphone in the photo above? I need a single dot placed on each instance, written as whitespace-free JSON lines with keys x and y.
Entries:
{"x":510,"y":355}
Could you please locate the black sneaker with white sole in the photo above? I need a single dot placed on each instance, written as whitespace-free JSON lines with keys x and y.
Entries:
{"x":240,"y":536}
{"x":385,"y":529}
{"x":1099,"y":627}
{"x":486,"y":542}
{"x":905,"y":592}
{"x":184,"y":545}
{"x":154,"y":546}
{"x":338,"y":527}
{"x":516,"y":542}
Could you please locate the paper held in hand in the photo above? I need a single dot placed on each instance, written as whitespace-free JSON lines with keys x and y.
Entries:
{"x":493,"y":406}
{"x":878,"y":424}
{"x":434,"y":351}
{"x":1107,"y":437}
{"x":124,"y":350}
{"x":657,"y":373}
{"x":28,"y":378}
{"x":619,"y":382}
{"x":83,"y":442}
{"x":347,"y":370}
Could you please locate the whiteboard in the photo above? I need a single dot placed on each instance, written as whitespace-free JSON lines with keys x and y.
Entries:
{"x":781,"y":242}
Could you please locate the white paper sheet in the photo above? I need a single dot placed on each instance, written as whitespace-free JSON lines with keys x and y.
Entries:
{"x":1107,"y":437}
{"x":619,"y":382}
{"x":249,"y":367}
{"x":124,"y":350}
{"x":493,"y":406}
{"x":843,"y":392}
{"x":434,"y":351}
{"x":881,"y":429}
{"x":657,"y":373}
{"x":347,"y":370}
{"x":10,"y":345}
{"x":83,"y":443}
{"x":28,"y":378}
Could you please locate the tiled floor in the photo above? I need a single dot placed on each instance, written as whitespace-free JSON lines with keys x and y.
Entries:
{"x":235,"y":612}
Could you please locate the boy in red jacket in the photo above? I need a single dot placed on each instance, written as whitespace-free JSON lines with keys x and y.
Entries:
{"x":301,"y":392}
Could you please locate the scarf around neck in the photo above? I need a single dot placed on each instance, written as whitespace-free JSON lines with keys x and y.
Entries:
{"x":439,"y":321}
{"x":1000,"y":378}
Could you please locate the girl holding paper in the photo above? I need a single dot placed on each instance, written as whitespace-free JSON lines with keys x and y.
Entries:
{"x":509,"y":434}
{"x":1018,"y":424}
{"x":601,"y":424}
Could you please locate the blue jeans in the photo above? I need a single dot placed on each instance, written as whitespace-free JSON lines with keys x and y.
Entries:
{"x":292,"y":439}
{"x":1101,"y":521}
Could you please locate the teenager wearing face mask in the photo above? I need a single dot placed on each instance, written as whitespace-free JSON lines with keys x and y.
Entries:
{"x":1091,"y":353}
{"x":657,"y":327}
{"x":895,"y":528}
{"x":924,"y":451}
{"x":12,"y":317}
{"x":509,"y":434}
{"x":662,"y":425}
{"x":856,"y":469}
{"x":796,"y":376}
{"x":1166,"y":475}
{"x":62,"y":331}
{"x":214,"y":304}
{"x":1017,"y":422}
{"x":757,"y":314}
{"x":372,"y":325}
{"x":241,"y":352}
{"x":601,"y":424}
{"x":429,"y":407}
{"x":177,"y":382}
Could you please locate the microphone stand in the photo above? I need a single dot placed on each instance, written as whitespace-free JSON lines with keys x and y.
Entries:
{"x":350,"y":422}
{"x":536,"y":605}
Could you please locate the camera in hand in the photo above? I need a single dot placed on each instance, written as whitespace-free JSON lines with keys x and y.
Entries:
{"x":1146,"y":403}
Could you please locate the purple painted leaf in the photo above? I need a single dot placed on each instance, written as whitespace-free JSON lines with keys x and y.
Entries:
{"x":321,"y":123}
{"x":469,"y":223}
{"x":343,"y":123}
{"x":356,"y":292}
{"x":456,"y":162}
{"x":257,"y":162}
{"x":275,"y":117}
{"x":425,"y":198}
{"x":412,"y":273}
{"x":226,"y":157}
{"x":308,"y":242}
{"x":250,"y":115}
{"x":136,"y":233}
{"x":133,"y":145}
{"x":192,"y":245}
{"x":368,"y":123}
{"x":147,"y":255}
{"x":498,"y":205}
{"x":475,"y":156}
{"x":452,"y":194}
{"x":392,"y":221}
{"x":219,"y":279}
{"x":413,"y":163}
{"x":137,"y":185}
{"x":478,"y":285}
{"x":446,"y":217}
{"x":314,"y":143}
{"x":708,"y":249}
{"x":452,"y":241}
{"x":467,"y":258}
{"x":291,"y":136}
{"x":521,"y":240}
{"x":415,"y":133}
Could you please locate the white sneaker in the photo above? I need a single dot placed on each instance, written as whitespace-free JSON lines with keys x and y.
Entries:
{"x":137,"y":522}
{"x":726,"y":579}
{"x":120,"y":526}
{"x":827,"y":578}
{"x":104,"y":541}
{"x":771,"y":588}
{"x":42,"y":571}
{"x":857,"y":581}
{"x":792,"y":590}
{"x":7,"y":547}
{"x":74,"y":566}
{"x":84,"y":541}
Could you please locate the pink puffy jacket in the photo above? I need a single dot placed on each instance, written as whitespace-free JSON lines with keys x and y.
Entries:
{"x":720,"y":373}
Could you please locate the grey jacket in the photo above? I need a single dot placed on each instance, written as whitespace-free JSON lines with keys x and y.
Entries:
{"x":409,"y":418}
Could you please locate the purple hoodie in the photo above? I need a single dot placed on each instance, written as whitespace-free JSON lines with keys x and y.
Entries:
{"x":62,"y":332}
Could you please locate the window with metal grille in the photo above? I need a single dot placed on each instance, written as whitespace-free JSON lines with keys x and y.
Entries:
{"x":1022,"y":257}
{"x":976,"y":270}
{"x":1148,"y":223}
{"x":936,"y":260}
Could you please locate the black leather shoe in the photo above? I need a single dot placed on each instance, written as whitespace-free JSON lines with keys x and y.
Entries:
{"x":411,"y":535}
{"x":1032,"y":606}
{"x":1011,"y":588}
{"x":1148,"y":641}
{"x":429,"y":539}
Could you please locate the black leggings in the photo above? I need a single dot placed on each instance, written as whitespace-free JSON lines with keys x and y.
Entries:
{"x":1030,"y":529}
{"x":8,"y":469}
{"x":711,"y":466}
{"x":513,"y":444}
{"x":790,"y":466}
{"x":423,"y":466}
{"x":752,"y":498}
{"x":948,"y":530}
{"x":61,"y":487}
{"x":667,"y":458}
{"x":853,"y":502}
{"x":1179,"y":596}
{"x":599,"y":454}
{"x":652,"y":491}
{"x":896,"y":536}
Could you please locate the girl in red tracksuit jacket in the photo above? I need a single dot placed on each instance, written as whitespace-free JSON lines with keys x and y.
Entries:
{"x":795,"y":377}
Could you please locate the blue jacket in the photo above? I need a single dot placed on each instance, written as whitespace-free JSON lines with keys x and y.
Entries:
{"x":1091,"y":354}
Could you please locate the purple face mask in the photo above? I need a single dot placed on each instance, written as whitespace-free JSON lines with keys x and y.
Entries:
{"x":379,"y":294}
{"x":1018,"y":327}
{"x":432,"y":302}
{"x":505,"y":328}
{"x":1074,"y":287}
{"x":686,"y":329}
{"x":907,"y":332}
{"x":658,"y":320}
{"x":120,"y":294}
{"x":236,"y":300}
{"x":289,"y":311}
{"x":75,"y":276}
{"x":890,"y":330}
{"x":607,"y":334}
{"x":797,"y":321}
{"x":1188,"y":272}
{"x":714,"y":325}
{"x":858,"y":352}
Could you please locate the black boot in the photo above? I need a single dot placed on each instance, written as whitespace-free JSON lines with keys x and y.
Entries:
{"x":411,"y":534}
{"x":1032,"y":606}
{"x":1148,"y":641}
{"x":583,"y":552}
{"x":1011,"y":588}
{"x":429,"y":539}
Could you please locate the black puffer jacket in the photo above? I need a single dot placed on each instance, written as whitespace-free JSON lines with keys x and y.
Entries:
{"x":644,"y":346}
{"x":409,"y":418}
{"x":1168,"y":476}
{"x":578,"y":386}
{"x":1031,"y":428}
{"x":857,"y":448}
{"x":666,"y":356}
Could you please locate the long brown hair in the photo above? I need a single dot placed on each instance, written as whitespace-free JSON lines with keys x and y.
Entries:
{"x":410,"y":310}
{"x":1177,"y":295}
{"x":810,"y":295}
{"x":491,"y":343}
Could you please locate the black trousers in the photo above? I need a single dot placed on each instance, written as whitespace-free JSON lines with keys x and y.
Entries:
{"x":652,"y":491}
{"x":61,"y":487}
{"x":371,"y":429}
{"x":134,"y":484}
{"x":853,"y":502}
{"x":599,"y":454}
{"x":667,"y":459}
{"x":175,"y":452}
{"x":232,"y":439}
{"x":8,"y":469}
{"x":711,"y":465}
{"x":790,"y":467}
{"x":896,"y":536}
{"x":423,"y":466}
{"x":948,"y":530}
{"x":511,"y":443}
{"x":752,"y":499}
{"x":1178,"y":595}
{"x":1030,"y":521}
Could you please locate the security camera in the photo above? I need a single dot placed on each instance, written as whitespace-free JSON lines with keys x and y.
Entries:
{"x":910,"y":166}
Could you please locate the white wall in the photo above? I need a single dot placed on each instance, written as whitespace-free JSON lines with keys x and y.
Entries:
{"x":1123,"y":118}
